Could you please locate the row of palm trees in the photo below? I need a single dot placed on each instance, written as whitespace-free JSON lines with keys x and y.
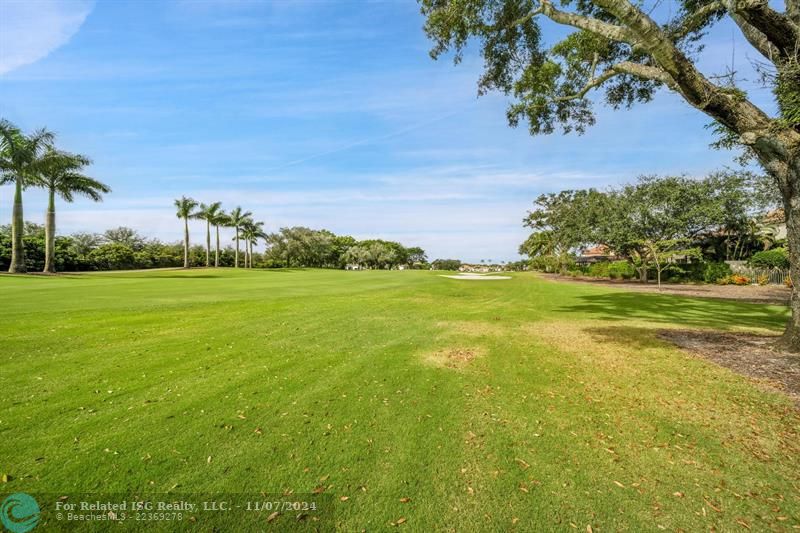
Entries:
{"x":246,"y":229}
{"x":32,"y":160}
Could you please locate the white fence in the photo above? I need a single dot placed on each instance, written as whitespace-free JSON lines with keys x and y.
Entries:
{"x":776,"y":276}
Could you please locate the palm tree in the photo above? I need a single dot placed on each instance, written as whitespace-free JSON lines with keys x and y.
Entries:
{"x":235,"y":220}
{"x":209,"y":213}
{"x":245,"y":233}
{"x":220,"y":219}
{"x":20,"y":162}
{"x":258,"y":233}
{"x":251,"y":232}
{"x":185,"y":206}
{"x":61,"y":174}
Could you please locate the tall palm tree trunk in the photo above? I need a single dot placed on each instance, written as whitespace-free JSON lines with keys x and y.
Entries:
{"x":50,"y":233}
{"x":208,"y":244}
{"x":216,"y":250}
{"x":185,"y":242}
{"x":236,"y":257}
{"x":17,"y":222}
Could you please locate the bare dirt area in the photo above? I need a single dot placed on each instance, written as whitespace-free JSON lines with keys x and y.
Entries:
{"x":454,"y":358}
{"x":747,"y":354}
{"x":768,"y":294}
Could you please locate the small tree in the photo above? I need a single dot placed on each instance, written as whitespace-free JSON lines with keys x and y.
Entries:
{"x":661,"y":254}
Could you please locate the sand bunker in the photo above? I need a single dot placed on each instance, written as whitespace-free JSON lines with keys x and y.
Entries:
{"x":473,"y":276}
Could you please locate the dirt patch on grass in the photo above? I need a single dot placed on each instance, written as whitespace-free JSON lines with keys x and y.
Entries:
{"x":589,"y":348}
{"x":453,"y":357}
{"x":768,"y":294}
{"x":751,"y":355}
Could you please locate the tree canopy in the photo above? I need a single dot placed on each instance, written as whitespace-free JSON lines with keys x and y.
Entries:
{"x":647,"y":222}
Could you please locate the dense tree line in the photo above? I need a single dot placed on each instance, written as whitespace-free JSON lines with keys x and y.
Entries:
{"x":654,"y":223}
{"x":116,"y":249}
{"x":123,"y":248}
{"x":301,"y":246}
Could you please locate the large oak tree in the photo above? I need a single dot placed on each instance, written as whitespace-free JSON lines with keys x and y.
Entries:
{"x":622,"y":49}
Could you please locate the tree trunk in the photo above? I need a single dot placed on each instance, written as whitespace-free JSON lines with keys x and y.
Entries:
{"x":791,"y":202}
{"x":17,"y":228}
{"x":185,"y":243}
{"x":236,"y":257}
{"x":50,"y":234}
{"x":208,"y":244}
{"x":216,"y":250}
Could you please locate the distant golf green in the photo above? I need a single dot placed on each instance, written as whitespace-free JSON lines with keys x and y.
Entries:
{"x":408,"y":398}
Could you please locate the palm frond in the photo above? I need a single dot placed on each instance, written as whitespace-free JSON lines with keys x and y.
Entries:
{"x":185,"y":206}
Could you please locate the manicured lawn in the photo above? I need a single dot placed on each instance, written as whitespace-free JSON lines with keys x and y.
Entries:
{"x":491,"y":405}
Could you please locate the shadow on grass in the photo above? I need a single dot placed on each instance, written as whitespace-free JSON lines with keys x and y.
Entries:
{"x":698,"y":312}
{"x":638,"y":337}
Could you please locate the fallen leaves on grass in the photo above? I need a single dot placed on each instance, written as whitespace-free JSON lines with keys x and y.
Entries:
{"x":717,"y":509}
{"x":748,"y":354}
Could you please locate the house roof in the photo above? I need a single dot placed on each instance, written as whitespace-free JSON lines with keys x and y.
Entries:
{"x":600,"y":249}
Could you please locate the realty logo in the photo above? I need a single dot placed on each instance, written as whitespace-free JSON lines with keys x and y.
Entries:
{"x":19,"y":513}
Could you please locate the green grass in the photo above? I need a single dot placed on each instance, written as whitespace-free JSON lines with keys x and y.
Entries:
{"x":571,"y":414}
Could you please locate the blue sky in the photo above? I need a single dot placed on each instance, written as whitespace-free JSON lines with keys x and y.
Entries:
{"x":322,"y":114}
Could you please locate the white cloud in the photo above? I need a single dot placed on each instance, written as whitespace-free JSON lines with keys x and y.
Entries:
{"x":30,"y":30}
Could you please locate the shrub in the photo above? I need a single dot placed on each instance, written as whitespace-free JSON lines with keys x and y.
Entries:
{"x":621,"y":270}
{"x":788,"y":282}
{"x":112,"y":256}
{"x":598,"y":270}
{"x":738,"y":279}
{"x":545,"y":263}
{"x":763,"y":279}
{"x":714,"y":271}
{"x":775,"y":258}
